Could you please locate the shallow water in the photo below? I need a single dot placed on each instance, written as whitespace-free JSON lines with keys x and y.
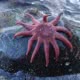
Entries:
{"x":11,"y":11}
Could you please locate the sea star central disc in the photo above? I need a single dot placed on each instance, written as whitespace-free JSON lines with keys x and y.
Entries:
{"x":44,"y":31}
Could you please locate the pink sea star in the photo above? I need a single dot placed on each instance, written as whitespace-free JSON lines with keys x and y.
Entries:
{"x":44,"y":32}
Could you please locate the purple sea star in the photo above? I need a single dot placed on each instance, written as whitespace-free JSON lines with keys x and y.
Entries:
{"x":44,"y":32}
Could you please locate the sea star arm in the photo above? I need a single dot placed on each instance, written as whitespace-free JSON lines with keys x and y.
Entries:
{"x":33,"y":19}
{"x":35,"y":50}
{"x":25,"y":25}
{"x":56,"y":48}
{"x":24,"y":33}
{"x":63,"y":39}
{"x":30,"y":42}
{"x":65,"y":30}
{"x":46,"y":49}
{"x":55,"y":21}
{"x":45,"y":18}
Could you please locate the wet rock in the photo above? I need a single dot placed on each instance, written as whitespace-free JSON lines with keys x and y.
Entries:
{"x":33,"y":11}
{"x":7,"y":18}
{"x":9,"y":45}
{"x":3,"y":78}
{"x":12,"y":28}
{"x":9,"y":76}
{"x":4,"y":75}
{"x":18,"y":76}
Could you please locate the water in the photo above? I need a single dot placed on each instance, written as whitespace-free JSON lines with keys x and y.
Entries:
{"x":70,"y":9}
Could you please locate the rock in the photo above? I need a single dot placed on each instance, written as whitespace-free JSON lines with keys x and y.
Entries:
{"x":7,"y":18}
{"x":12,"y":28}
{"x":4,"y":75}
{"x":33,"y":11}
{"x":3,"y":78}
{"x":11,"y":48}
{"x":22,"y":76}
{"x":9,"y":76}
{"x":18,"y":76}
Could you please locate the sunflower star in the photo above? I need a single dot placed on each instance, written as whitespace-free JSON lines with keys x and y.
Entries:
{"x":45,"y":32}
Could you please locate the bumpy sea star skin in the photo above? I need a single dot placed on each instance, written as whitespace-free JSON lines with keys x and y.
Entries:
{"x":44,"y":32}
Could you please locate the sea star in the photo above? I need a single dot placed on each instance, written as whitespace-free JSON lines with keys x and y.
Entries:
{"x":44,"y":32}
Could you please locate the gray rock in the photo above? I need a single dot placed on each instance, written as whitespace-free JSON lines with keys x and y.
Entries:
{"x":18,"y":76}
{"x":4,"y":75}
{"x":9,"y":76}
{"x":13,"y":48}
{"x":7,"y":18}
{"x":3,"y":78}
{"x":21,"y":76}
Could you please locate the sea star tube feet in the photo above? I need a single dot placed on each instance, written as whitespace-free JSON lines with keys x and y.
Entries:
{"x":45,"y":33}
